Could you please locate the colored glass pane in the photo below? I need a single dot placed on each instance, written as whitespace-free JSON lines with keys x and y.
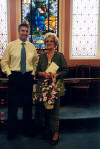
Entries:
{"x":42,"y":16}
{"x":3,"y":26}
{"x":85,"y":14}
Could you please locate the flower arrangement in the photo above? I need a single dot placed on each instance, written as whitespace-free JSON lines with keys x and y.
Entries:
{"x":48,"y":92}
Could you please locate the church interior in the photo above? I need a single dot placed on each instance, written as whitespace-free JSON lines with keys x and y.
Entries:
{"x":77,"y":26}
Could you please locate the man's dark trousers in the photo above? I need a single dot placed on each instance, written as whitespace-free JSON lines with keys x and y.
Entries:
{"x":20,"y":88}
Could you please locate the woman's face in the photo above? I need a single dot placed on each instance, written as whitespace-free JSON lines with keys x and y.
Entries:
{"x":50,"y":42}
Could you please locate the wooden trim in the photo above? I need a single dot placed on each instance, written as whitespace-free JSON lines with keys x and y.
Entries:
{"x":61,"y":25}
{"x":18,"y":15}
{"x":8,"y":20}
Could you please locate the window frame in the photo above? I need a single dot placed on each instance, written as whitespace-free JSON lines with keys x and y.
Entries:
{"x":31,"y":14}
{"x":8,"y":22}
{"x":62,"y":6}
{"x":70,"y":44}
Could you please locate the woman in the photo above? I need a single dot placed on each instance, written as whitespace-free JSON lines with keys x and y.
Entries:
{"x":52,"y":116}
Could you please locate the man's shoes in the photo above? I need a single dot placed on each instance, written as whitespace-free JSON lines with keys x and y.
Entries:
{"x":29,"y":133}
{"x":11,"y":136}
{"x":47,"y":135}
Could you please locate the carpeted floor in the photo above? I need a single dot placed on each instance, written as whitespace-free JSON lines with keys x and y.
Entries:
{"x":79,"y":129}
{"x":66,"y":112}
{"x":71,"y":139}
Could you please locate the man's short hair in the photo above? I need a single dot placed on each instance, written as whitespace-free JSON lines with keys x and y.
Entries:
{"x":23,"y":25}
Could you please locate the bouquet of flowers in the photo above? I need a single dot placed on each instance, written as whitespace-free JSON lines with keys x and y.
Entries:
{"x":48,"y":93}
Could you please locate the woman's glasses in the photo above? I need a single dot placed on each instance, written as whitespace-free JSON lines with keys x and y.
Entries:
{"x":49,"y":41}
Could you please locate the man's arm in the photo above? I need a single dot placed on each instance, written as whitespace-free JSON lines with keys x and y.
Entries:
{"x":6,"y":61}
{"x":35,"y":61}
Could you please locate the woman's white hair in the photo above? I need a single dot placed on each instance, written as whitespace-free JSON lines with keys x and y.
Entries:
{"x":54,"y":36}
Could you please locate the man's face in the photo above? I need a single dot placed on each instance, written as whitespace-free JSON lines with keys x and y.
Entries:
{"x":23,"y":33}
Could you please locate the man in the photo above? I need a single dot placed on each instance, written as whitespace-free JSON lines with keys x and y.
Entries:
{"x":19,"y":63}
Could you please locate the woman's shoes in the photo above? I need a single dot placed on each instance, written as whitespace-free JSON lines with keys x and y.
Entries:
{"x":54,"y":142}
{"x":47,"y":135}
{"x":55,"y":139}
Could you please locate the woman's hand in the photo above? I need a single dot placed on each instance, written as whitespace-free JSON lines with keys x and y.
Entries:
{"x":53,"y":75}
{"x":48,"y":75}
{"x":44,"y":74}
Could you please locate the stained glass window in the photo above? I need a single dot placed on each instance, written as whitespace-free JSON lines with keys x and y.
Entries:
{"x":3,"y":26}
{"x":85,"y":14}
{"x":42,"y":16}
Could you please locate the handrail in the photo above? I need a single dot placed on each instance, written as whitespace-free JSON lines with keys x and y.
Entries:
{"x":65,"y":79}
